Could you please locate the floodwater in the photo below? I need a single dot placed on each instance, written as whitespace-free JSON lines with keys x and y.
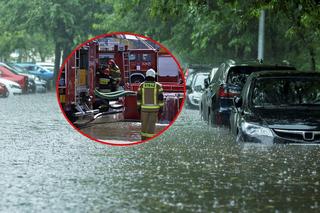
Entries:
{"x":113,"y":129}
{"x":46,"y":166}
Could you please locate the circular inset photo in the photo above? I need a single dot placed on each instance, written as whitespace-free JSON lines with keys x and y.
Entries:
{"x":121,"y":88}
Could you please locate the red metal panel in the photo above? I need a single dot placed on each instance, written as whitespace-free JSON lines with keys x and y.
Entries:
{"x":93,"y":66}
{"x":70,"y":86}
{"x":130,"y":104}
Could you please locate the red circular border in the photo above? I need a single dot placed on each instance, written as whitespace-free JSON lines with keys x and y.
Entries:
{"x":110,"y":34}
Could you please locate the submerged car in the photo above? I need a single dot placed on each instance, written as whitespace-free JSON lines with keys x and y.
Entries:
{"x":14,"y":76}
{"x":194,"y":92}
{"x":37,"y":70}
{"x":278,"y":107}
{"x":35,"y":84}
{"x":195,"y":83}
{"x":12,"y":87}
{"x":203,"y":101}
{"x":228,"y":82}
{"x":4,"y":92}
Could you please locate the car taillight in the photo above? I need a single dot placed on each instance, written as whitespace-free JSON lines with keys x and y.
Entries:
{"x":227,"y":92}
{"x":223,"y":92}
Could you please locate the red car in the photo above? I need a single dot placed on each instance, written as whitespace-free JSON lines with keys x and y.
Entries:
{"x":13,"y":76}
{"x":3,"y":90}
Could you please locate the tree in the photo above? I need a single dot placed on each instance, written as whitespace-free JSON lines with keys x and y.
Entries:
{"x":64,"y":23}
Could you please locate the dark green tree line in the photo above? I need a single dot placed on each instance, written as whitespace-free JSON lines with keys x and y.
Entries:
{"x":196,"y":31}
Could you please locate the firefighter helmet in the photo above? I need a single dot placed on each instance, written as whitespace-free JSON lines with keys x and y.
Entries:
{"x":151,"y":73}
{"x":111,"y":62}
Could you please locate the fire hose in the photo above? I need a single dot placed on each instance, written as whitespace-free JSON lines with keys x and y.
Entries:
{"x":113,"y":95}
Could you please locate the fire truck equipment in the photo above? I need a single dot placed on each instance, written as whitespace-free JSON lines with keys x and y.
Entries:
{"x":113,"y":95}
{"x":79,"y":79}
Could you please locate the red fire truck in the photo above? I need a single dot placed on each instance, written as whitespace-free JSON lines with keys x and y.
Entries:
{"x":78,"y":78}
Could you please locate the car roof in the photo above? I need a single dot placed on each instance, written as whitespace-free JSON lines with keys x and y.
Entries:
{"x":284,"y":73}
{"x":233,"y":63}
{"x":261,"y":65}
{"x":26,"y":64}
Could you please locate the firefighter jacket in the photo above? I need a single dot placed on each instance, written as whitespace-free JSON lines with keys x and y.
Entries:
{"x":105,"y":81}
{"x":150,"y":97}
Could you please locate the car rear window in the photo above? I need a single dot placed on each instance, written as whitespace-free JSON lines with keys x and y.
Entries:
{"x":238,"y":75}
{"x":286,"y":91}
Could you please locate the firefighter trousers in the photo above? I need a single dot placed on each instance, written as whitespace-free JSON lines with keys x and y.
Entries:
{"x":148,"y":124}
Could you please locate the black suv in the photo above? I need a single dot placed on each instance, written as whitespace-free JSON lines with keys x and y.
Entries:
{"x":226,"y":83}
{"x":278,"y":107}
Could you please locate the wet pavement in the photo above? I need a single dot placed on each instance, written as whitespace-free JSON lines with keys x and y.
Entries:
{"x":46,"y":166}
{"x":114,"y":129}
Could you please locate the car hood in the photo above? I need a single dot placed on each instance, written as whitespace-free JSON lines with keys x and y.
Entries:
{"x":294,"y":119}
{"x":30,"y":76}
{"x":8,"y":82}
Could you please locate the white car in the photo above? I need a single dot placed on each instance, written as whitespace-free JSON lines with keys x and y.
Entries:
{"x":13,"y":87}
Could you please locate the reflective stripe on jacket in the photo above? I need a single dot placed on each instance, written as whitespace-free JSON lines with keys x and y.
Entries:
{"x":150,"y":96}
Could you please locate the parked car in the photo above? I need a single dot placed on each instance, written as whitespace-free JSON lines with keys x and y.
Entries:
{"x":4,"y":92}
{"x":278,"y":107}
{"x":226,"y":83}
{"x":194,"y":83}
{"x":12,"y":87}
{"x":14,"y":76}
{"x":37,"y":70}
{"x":203,"y":100}
{"x":35,"y":84}
{"x":195,"y":90}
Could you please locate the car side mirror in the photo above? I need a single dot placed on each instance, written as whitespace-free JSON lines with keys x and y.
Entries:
{"x":188,"y":87}
{"x":237,"y":102}
{"x":42,"y":71}
{"x":206,"y":82}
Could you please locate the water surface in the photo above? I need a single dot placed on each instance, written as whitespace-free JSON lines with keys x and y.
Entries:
{"x":47,"y":166}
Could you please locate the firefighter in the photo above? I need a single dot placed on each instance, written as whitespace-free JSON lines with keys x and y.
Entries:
{"x":105,"y":80}
{"x":150,"y":103}
{"x":115,"y":74}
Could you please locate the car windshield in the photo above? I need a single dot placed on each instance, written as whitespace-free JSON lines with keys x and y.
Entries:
{"x":189,"y":79}
{"x":16,"y":68}
{"x":199,"y":80}
{"x":286,"y":92}
{"x":238,"y":75}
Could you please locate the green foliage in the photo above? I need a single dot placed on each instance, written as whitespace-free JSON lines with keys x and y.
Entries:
{"x":197,"y":31}
{"x":207,"y":31}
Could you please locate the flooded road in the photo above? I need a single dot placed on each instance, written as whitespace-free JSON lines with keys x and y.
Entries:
{"x":47,"y":166}
{"x":115,"y":130}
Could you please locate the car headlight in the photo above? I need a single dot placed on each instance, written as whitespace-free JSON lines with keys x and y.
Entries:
{"x":256,"y":130}
{"x":37,"y":78}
